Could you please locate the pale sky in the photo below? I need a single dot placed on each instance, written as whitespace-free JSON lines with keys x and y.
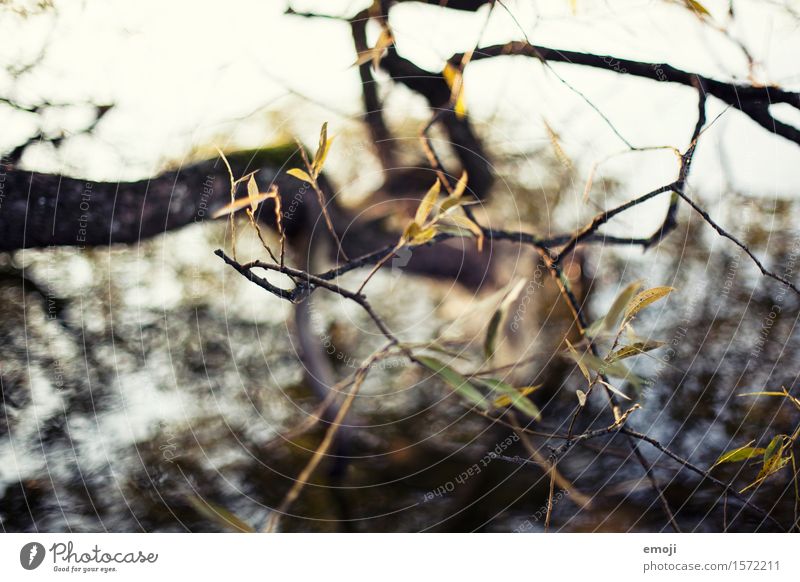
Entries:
{"x":188,"y":73}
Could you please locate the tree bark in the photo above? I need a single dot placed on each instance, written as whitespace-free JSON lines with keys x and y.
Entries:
{"x":43,"y":210}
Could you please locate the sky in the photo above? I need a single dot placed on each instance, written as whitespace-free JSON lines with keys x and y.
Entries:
{"x":191,"y":73}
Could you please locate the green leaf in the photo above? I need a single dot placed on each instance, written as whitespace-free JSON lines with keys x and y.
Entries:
{"x":736,"y":455}
{"x":300,"y":175}
{"x":514,"y":396}
{"x":644,"y":299}
{"x":456,"y":381}
{"x":615,"y":369}
{"x":774,"y":447}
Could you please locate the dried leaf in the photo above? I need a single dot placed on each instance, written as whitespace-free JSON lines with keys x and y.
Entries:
{"x":645,"y":298}
{"x":555,"y":142}
{"x":633,"y":350}
{"x":384,"y":41}
{"x":581,"y":397}
{"x":240,"y":203}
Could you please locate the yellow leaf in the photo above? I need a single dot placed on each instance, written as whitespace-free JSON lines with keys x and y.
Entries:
{"x":238,"y":204}
{"x":322,"y":150}
{"x":424,"y":235}
{"x":461,"y":186}
{"x":300,"y":175}
{"x":449,"y":204}
{"x":581,"y":397}
{"x":455,"y":81}
{"x":697,"y":8}
{"x":505,"y":400}
{"x":412,"y":230}
{"x":425,"y":207}
{"x":645,"y":298}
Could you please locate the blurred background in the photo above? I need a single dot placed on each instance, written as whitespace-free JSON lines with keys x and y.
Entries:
{"x":150,"y":388}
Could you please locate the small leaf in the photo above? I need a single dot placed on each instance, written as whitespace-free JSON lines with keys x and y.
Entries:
{"x":456,"y":381}
{"x":498,"y":317}
{"x":633,"y":350}
{"x":781,"y":394}
{"x":464,"y":222}
{"x":411,"y":230}
{"x":615,"y":390}
{"x":615,"y":369}
{"x":384,"y":41}
{"x":581,"y":397}
{"x":449,"y":204}
{"x":253,"y":193}
{"x":774,"y":447}
{"x":611,"y":319}
{"x":322,"y":150}
{"x":555,"y":141}
{"x":427,"y":203}
{"x":218,"y":514}
{"x":240,"y":203}
{"x":741,"y":454}
{"x":512,"y":396}
{"x":424,"y":235}
{"x":300,"y":175}
{"x":697,"y":8}
{"x":460,"y":187}
{"x":576,"y":356}
{"x":504,"y":401}
{"x":644,"y":299}
{"x":455,"y":80}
